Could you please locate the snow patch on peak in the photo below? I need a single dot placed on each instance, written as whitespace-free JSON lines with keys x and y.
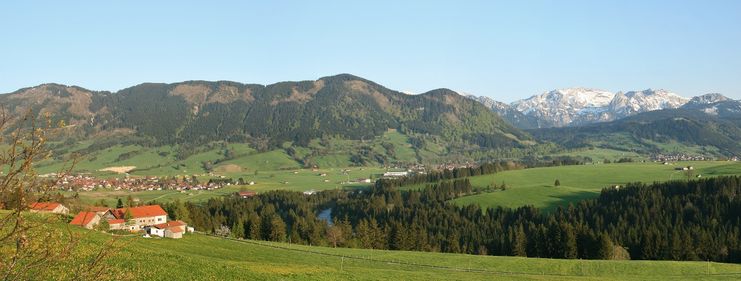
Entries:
{"x":576,"y":106}
{"x":709,"y":99}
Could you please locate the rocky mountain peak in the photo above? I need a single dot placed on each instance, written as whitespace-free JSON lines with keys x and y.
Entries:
{"x":708,"y":99}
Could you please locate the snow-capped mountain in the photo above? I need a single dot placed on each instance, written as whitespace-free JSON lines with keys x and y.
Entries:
{"x":708,"y":99}
{"x":715,"y":104}
{"x":633,"y":102}
{"x":579,"y":106}
{"x":566,"y":106}
{"x":507,"y":112}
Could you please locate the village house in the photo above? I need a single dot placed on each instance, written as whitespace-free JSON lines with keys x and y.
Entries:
{"x":141,"y":216}
{"x":86,"y":219}
{"x":395,"y":174}
{"x":246,"y":194}
{"x":49,"y":207}
{"x":309,"y":192}
{"x":117,"y":224}
{"x":172,"y":229}
{"x":152,"y":219}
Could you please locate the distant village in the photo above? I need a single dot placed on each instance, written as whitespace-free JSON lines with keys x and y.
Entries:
{"x":686,"y":157}
{"x":86,"y":182}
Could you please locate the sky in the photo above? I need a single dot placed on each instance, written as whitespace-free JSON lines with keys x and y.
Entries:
{"x":506,"y":50}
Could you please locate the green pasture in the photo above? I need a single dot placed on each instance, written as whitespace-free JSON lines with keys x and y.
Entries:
{"x":536,"y":186}
{"x":200,"y":257}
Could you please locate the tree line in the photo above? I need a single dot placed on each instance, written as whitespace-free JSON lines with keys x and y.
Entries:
{"x":680,"y":220}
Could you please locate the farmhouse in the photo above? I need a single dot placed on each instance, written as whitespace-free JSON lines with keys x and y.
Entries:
{"x":173,"y":229}
{"x":86,"y":219}
{"x":246,"y":194}
{"x":140,"y":217}
{"x":395,"y":174}
{"x":100,"y":210}
{"x":117,"y":224}
{"x":49,"y":207}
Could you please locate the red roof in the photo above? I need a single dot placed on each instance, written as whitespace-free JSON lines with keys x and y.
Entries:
{"x":98,"y":209}
{"x":169,"y":224}
{"x":116,"y":221}
{"x":83,"y":218}
{"x":176,"y":229}
{"x":247,"y":193}
{"x":44,"y":206}
{"x":140,"y":212}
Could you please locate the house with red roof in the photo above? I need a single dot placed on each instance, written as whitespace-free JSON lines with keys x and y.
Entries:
{"x":86,"y":219}
{"x":117,"y":224}
{"x":98,"y":209}
{"x":151,"y":218}
{"x":141,"y":216}
{"x":246,"y":194}
{"x":172,"y":229}
{"x":49,"y":207}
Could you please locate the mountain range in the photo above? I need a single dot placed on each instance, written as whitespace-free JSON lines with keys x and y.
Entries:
{"x":711,"y":123}
{"x":290,"y":115}
{"x":581,"y":106}
{"x":268,"y":117}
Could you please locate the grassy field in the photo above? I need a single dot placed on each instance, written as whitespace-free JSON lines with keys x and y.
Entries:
{"x":536,"y":186}
{"x":200,"y":257}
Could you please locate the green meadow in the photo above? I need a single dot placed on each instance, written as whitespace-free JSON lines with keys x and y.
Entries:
{"x":536,"y":186}
{"x":200,"y":257}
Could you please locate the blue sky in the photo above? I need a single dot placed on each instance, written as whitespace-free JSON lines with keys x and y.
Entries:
{"x":505,"y":50}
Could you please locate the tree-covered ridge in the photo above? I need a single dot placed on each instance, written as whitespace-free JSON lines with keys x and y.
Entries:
{"x":680,"y":220}
{"x":345,"y":106}
{"x":671,"y":125}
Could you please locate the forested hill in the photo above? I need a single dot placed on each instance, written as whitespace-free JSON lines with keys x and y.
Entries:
{"x":643,"y":132}
{"x":197,"y":112}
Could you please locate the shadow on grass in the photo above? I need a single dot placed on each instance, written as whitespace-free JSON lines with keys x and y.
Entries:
{"x":564,"y":200}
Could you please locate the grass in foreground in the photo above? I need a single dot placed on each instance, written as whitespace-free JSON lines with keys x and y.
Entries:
{"x":200,"y":257}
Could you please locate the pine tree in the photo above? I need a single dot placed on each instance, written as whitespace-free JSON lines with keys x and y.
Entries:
{"x":255,"y":227}
{"x":604,"y":247}
{"x":364,"y":233}
{"x":237,"y":229}
{"x":569,"y":239}
{"x":277,"y":229}
{"x":519,"y":245}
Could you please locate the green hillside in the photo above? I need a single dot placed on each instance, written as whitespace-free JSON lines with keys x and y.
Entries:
{"x":536,"y":186}
{"x":304,"y":119}
{"x":199,"y":257}
{"x":662,"y":131}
